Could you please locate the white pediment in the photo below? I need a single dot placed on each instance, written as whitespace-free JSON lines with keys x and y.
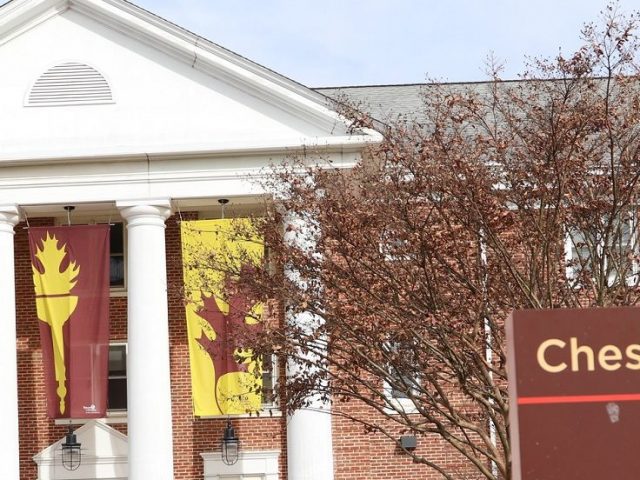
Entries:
{"x":172,"y":92}
{"x":104,"y":455}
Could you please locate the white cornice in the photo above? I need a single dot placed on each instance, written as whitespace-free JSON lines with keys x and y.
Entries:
{"x":144,"y":178}
{"x":337,"y":144}
{"x":18,"y":16}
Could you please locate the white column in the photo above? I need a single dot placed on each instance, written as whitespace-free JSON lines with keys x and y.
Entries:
{"x":148,"y":372}
{"x":10,"y":451}
{"x":309,"y":433}
{"x":309,"y":440}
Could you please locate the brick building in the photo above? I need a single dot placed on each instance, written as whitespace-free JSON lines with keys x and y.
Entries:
{"x":136,"y":122}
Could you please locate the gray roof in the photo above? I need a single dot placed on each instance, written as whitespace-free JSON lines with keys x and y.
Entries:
{"x":383,"y":102}
{"x":387,"y":102}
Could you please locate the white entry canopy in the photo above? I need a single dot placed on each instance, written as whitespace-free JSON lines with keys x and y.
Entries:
{"x":104,"y":455}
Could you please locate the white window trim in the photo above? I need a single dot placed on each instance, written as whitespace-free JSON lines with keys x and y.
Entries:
{"x":113,"y":417}
{"x":387,"y":245}
{"x":571,"y":271}
{"x":262,"y":464}
{"x":397,"y":406}
{"x":122,"y":291}
{"x":271,"y":407}
{"x":118,"y":416}
{"x":267,"y":410}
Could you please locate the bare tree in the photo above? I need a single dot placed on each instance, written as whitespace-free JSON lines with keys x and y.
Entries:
{"x":506,"y":195}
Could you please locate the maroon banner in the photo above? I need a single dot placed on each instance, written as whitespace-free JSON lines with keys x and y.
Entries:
{"x":71,"y":279}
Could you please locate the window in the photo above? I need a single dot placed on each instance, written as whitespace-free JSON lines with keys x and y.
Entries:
{"x":399,"y":381}
{"x":116,"y":257}
{"x":269,"y":372}
{"x":407,"y":380}
{"x":398,"y":385}
{"x":117,"y":247}
{"x":116,"y":386}
{"x":398,"y":401}
{"x":394,"y":248}
{"x":117,"y":389}
{"x":604,"y":250}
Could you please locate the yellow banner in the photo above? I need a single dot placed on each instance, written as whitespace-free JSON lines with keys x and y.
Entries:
{"x":225,"y":376}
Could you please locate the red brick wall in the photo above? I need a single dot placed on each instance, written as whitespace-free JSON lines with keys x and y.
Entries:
{"x":373,"y":456}
{"x":357,"y":455}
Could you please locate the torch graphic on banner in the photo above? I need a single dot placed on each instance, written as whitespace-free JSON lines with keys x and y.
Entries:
{"x":54,"y":301}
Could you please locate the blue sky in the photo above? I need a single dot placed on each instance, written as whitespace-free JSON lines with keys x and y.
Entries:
{"x":346,"y":42}
{"x":364,"y":42}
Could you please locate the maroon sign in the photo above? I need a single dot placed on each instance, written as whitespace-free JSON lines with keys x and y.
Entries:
{"x":574,"y":383}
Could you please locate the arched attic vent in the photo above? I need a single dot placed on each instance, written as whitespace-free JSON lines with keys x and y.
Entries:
{"x":70,"y":83}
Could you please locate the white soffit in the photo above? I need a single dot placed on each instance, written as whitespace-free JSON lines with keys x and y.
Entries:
{"x":174,"y":92}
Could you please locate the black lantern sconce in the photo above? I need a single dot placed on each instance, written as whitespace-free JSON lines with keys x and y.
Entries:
{"x":408,"y":442}
{"x":230,"y":445}
{"x":71,"y":454}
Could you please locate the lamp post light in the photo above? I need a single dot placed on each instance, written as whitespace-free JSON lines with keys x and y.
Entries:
{"x":230,"y":445}
{"x":71,"y":454}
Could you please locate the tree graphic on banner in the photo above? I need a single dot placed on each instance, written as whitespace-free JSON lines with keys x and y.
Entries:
{"x":228,"y":350}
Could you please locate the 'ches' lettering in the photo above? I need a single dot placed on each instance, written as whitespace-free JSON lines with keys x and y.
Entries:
{"x":556,"y":355}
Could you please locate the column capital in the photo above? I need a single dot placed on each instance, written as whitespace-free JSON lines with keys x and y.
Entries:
{"x":9,"y":217}
{"x":145,"y":212}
